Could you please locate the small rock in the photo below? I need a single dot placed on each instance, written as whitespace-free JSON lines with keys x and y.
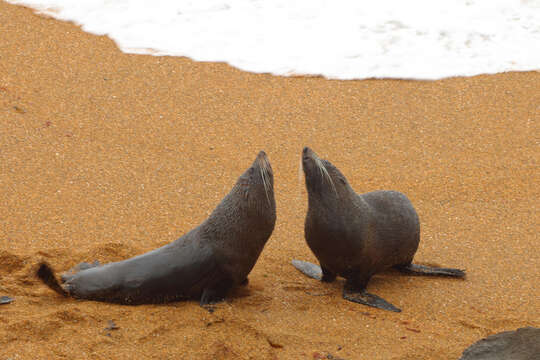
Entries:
{"x":6,"y":300}
{"x":20,"y":110}
{"x":111,"y":326}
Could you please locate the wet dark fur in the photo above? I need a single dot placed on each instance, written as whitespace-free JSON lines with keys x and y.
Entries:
{"x":203,"y":264}
{"x":356,"y":236}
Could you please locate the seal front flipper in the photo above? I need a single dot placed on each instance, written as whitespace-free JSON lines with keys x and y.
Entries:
{"x":309,"y":269}
{"x":215,"y":293}
{"x":361,"y":296}
{"x":422,"y":270}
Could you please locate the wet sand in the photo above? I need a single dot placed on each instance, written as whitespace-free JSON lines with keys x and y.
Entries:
{"x":105,"y":155}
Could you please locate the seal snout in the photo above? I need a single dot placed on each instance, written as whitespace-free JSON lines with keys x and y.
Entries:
{"x":308,"y":154}
{"x":263,"y":162}
{"x":262,"y":158}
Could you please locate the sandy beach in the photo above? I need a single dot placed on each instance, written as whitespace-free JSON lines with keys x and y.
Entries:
{"x":105,"y":155}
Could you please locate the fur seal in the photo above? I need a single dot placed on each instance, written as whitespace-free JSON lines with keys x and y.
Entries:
{"x":356,"y":236}
{"x":203,"y":264}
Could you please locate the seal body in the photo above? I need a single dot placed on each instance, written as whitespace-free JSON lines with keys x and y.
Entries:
{"x":203,"y":264}
{"x":358,"y":235}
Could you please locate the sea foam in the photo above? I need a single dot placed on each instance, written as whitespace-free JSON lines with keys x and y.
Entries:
{"x":338,"y":39}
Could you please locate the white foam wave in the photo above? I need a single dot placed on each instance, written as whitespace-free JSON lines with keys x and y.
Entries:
{"x":341,"y":39}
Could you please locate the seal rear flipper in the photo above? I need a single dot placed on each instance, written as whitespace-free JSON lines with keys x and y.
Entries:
{"x":309,"y":269}
{"x":46,"y":274}
{"x":422,"y":270}
{"x":361,"y":296}
{"x":65,"y":277}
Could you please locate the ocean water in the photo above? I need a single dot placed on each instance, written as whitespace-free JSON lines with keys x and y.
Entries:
{"x":338,"y":39}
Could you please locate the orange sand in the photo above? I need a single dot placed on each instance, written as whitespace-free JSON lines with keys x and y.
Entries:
{"x":105,"y":155}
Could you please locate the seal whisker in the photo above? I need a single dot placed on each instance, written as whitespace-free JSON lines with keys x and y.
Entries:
{"x":325,"y":174}
{"x":329,"y":179}
{"x":263,"y":167}
{"x":319,"y":167}
{"x":263,"y":170}
{"x":300,"y":176}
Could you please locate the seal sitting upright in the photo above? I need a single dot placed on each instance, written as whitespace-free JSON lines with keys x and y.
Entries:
{"x":356,"y":236}
{"x":203,"y":264}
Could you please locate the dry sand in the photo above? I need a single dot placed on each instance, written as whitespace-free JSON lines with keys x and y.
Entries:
{"x":105,"y":155}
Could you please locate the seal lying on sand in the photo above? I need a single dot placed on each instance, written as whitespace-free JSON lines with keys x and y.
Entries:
{"x":356,"y":236}
{"x":203,"y":264}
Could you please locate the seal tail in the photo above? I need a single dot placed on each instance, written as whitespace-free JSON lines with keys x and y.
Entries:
{"x":422,"y":270}
{"x":46,"y":274}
